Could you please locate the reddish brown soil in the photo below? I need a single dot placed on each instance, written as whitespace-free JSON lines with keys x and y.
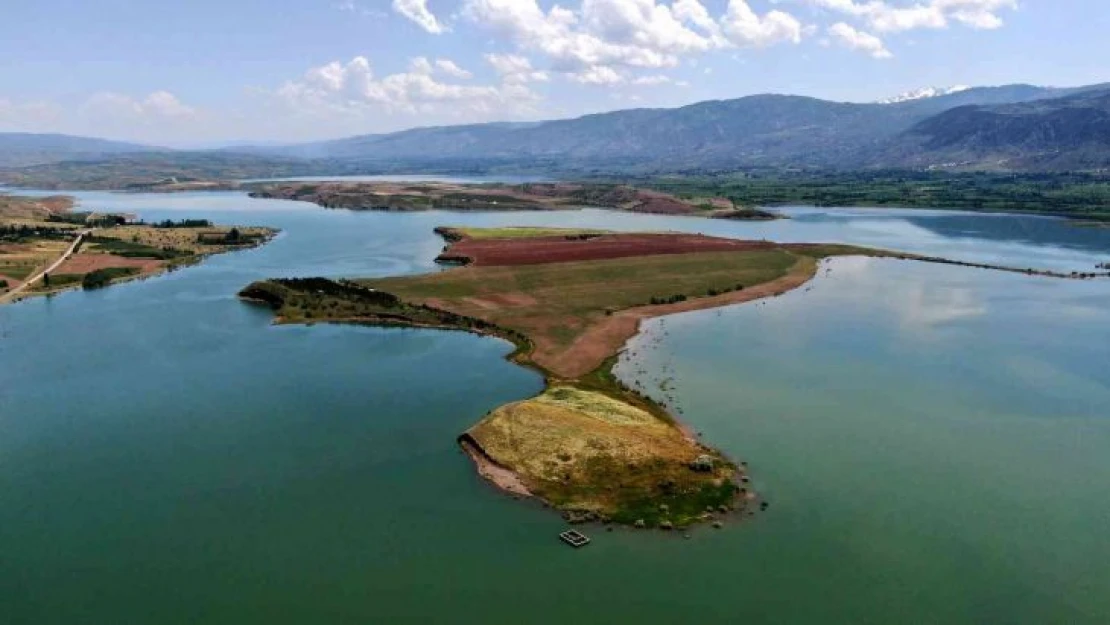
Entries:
{"x":542,"y":250}
{"x":84,"y":263}
{"x":57,"y":203}
{"x":660,"y":204}
{"x":12,"y":282}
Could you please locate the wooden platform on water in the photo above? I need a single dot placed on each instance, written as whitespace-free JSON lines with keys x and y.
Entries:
{"x":574,"y":538}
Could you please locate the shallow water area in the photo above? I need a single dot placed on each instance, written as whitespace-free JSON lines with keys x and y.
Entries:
{"x":932,"y":440}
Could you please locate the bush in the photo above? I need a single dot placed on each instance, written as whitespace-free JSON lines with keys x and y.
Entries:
{"x":103,"y":277}
{"x":184,"y":223}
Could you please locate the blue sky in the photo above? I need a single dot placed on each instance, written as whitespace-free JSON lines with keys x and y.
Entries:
{"x":210,"y":71}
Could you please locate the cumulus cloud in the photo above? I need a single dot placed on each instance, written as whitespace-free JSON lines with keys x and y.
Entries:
{"x":853,"y":39}
{"x":353,"y":88}
{"x":601,"y":40}
{"x":652,"y":80}
{"x":158,"y":106}
{"x":515,"y":68}
{"x":745,"y":28}
{"x":886,"y":17}
{"x":450,"y":68}
{"x":445,"y":67}
{"x":417,"y":11}
{"x":598,"y":75}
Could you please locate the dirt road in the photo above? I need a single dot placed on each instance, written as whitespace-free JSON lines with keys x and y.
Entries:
{"x":7,"y":297}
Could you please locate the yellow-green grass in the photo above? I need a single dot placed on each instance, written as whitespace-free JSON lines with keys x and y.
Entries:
{"x":587,"y":445}
{"x":23,"y":259}
{"x":555,"y":304}
{"x":181,"y":239}
{"x":585,"y":451}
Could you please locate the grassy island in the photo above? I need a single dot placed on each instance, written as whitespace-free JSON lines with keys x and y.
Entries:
{"x":569,"y":300}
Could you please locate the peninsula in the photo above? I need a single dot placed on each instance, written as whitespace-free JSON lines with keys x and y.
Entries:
{"x":536,"y":196}
{"x":569,"y":300}
{"x":46,"y":247}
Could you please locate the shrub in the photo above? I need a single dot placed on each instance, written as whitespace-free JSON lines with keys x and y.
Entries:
{"x":103,"y":277}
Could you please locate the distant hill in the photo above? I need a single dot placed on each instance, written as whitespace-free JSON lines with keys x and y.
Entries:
{"x":1013,"y":127}
{"x":762,"y":130}
{"x":20,"y":149}
{"x":1066,"y":133}
{"x":123,"y":171}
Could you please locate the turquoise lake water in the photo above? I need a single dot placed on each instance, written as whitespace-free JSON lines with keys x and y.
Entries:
{"x":934,"y":441}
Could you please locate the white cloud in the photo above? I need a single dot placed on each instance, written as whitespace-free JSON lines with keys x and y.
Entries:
{"x":349,"y":6}
{"x":600,"y":40}
{"x":643,"y":23}
{"x":745,"y":28}
{"x":854,"y":39}
{"x":352,"y":88}
{"x":652,"y":80}
{"x":417,"y":11}
{"x":445,"y":67}
{"x":419,"y":65}
{"x":450,"y":68}
{"x":515,"y":69}
{"x":158,"y":106}
{"x":885,"y":17}
{"x":598,"y":75}
{"x":694,"y":13}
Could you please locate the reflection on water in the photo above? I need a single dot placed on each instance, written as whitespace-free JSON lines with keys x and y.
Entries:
{"x":932,"y":440}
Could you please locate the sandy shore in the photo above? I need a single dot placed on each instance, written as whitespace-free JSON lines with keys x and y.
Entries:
{"x":498,"y":475}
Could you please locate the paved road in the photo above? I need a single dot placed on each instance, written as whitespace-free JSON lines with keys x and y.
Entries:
{"x":58,"y":263}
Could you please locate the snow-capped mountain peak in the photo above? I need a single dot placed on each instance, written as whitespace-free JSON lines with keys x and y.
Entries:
{"x":924,"y":92}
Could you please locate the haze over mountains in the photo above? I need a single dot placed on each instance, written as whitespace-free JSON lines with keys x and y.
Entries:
{"x":20,"y":148}
{"x":1018,"y":127}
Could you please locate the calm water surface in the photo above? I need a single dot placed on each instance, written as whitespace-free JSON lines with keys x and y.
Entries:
{"x":934,"y":441}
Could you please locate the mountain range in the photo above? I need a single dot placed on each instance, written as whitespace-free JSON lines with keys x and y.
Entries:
{"x":1014,"y":127}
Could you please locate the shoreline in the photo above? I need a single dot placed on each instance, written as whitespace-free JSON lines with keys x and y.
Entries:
{"x":511,"y":483}
{"x":194,"y":261}
{"x":502,"y":478}
{"x":630,"y":322}
{"x":524,"y":451}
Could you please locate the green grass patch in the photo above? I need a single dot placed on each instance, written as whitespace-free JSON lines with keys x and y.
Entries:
{"x":103,"y":277}
{"x":130,"y":249}
{"x":19,"y":272}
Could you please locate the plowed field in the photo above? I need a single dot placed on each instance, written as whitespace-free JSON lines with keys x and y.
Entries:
{"x":557,"y":249}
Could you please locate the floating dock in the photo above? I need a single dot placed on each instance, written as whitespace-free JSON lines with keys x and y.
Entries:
{"x":574,"y":538}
